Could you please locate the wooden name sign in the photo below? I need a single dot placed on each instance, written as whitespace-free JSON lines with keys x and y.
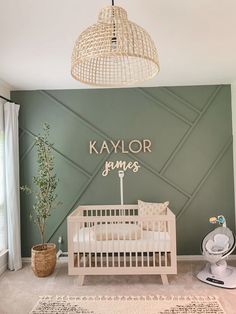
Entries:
{"x":120,"y":146}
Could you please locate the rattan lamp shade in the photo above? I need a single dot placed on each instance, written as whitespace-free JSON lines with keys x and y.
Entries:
{"x":114,"y":51}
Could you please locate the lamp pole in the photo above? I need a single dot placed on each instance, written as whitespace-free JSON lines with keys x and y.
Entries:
{"x":121,"y":176}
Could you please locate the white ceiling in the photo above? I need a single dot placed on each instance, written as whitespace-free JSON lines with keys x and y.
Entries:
{"x":196,"y":39}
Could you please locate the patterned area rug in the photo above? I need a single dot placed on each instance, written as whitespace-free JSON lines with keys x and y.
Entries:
{"x":130,"y":305}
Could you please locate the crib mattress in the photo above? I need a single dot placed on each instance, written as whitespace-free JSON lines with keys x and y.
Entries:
{"x":150,"y":241}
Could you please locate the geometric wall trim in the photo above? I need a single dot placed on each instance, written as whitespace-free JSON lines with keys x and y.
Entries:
{"x":190,"y":164}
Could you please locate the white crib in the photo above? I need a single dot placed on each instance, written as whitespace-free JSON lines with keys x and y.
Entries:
{"x":116,"y":240}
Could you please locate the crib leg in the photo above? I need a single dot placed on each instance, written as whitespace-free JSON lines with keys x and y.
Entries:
{"x":81,"y":280}
{"x":164,"y":279}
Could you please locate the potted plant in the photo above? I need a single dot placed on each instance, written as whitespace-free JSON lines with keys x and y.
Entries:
{"x":43,"y":256}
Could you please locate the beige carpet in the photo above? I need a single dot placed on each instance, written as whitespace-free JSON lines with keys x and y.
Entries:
{"x":128,"y":304}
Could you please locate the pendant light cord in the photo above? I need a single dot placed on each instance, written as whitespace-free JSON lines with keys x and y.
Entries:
{"x":114,"y":39}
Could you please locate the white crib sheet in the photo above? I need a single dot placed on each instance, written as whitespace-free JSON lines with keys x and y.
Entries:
{"x":151,"y":241}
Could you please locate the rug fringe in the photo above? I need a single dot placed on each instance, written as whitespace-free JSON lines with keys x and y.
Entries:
{"x":130,"y":298}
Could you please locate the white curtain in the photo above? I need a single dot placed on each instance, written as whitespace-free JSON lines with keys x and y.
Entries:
{"x":12,"y":184}
{"x":3,"y":213}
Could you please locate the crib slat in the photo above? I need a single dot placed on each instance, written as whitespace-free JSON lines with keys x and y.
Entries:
{"x":89,"y":253}
{"x":124,"y":244}
{"x":101,"y":250}
{"x":142,"y":264}
{"x":119,"y":251}
{"x":77,"y":230}
{"x":130,"y":252}
{"x":136,"y":253}
{"x":148,"y":245}
{"x":165,"y":240}
{"x":95,"y":259}
{"x":113,"y":249}
{"x":159,"y":241}
{"x":77,"y":248}
{"x":84,"y":243}
{"x":107,"y":263}
{"x":153,"y":243}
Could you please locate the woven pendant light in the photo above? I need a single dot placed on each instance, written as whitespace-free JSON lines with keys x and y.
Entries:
{"x":114,"y":51}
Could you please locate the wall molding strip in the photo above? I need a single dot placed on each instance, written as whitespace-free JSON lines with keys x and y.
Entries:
{"x":75,"y":114}
{"x":70,"y":161}
{"x":209,"y":171}
{"x":76,"y":200}
{"x":26,"y":152}
{"x":106,"y":137}
{"x":164,"y":106}
{"x":22,"y":134}
{"x":189,"y":131}
{"x":155,"y":172}
{"x":182,"y":100}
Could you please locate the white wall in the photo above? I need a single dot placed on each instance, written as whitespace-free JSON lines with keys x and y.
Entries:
{"x":5,"y":92}
{"x":5,"y":89}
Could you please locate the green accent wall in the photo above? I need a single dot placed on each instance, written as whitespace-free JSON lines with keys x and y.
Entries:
{"x":191,"y":163}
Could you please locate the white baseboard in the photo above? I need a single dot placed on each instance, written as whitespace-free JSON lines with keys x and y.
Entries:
{"x":3,"y":268}
{"x":198,"y":258}
{"x":3,"y":261}
{"x":180,"y":258}
{"x":190,"y":258}
{"x":60,"y":259}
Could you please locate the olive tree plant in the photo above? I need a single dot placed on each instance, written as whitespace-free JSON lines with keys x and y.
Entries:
{"x":45,"y":184}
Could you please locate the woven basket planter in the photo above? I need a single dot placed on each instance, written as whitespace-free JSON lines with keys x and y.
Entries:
{"x":43,"y":261}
